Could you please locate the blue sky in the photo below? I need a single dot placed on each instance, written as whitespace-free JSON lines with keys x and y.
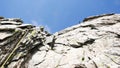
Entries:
{"x":56,"y":15}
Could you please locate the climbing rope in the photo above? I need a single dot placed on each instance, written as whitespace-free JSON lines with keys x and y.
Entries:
{"x":17,"y":45}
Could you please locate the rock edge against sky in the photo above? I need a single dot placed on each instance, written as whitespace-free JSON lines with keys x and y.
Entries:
{"x":94,"y":43}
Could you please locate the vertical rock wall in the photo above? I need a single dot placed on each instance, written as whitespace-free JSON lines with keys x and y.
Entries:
{"x":94,"y":43}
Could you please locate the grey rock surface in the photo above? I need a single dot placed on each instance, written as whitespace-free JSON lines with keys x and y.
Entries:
{"x":94,"y":43}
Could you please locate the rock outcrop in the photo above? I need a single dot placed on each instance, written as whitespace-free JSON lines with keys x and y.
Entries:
{"x":94,"y":43}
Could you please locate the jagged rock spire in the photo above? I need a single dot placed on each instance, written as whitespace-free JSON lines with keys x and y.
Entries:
{"x":18,"y":42}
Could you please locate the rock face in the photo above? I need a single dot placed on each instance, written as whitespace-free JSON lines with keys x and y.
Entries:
{"x":94,"y":43}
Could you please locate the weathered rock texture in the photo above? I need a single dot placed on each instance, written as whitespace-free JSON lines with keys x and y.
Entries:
{"x":94,"y":43}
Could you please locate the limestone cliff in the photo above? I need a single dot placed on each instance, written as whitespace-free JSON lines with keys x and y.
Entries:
{"x":94,"y":43}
